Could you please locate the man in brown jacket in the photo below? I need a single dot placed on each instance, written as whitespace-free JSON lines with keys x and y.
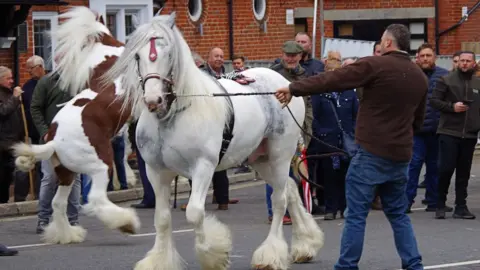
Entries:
{"x":393,"y":106}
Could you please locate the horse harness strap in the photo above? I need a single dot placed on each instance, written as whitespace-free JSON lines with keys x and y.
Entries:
{"x":228,"y":130}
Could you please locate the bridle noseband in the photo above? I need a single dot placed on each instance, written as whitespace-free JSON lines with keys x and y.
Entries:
{"x":168,"y":83}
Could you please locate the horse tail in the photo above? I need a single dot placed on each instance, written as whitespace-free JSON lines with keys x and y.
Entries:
{"x":27,"y":155}
{"x":75,"y":40}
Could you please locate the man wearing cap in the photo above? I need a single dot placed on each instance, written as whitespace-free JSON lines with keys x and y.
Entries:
{"x":290,"y":68}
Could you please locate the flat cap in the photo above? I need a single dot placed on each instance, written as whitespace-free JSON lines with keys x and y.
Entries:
{"x":292,"y":47}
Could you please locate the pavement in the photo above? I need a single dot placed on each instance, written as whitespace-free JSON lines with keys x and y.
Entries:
{"x":134,"y":193}
{"x":444,"y":244}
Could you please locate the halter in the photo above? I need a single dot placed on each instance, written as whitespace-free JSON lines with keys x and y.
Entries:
{"x":168,"y":83}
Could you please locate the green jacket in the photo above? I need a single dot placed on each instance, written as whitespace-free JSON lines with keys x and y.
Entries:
{"x":45,"y":99}
{"x":295,"y":75}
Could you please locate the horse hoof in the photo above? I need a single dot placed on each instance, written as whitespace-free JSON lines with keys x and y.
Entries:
{"x":127,"y":229}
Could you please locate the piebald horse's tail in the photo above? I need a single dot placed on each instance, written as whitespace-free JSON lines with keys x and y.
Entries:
{"x":28,"y":154}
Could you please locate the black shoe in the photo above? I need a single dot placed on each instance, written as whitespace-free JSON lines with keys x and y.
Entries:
{"x":462,"y":212}
{"x":409,"y":209}
{"x":41,"y":226}
{"x":433,"y":209}
{"x":440,"y":213}
{"x":4,"y":251}
{"x":142,"y":206}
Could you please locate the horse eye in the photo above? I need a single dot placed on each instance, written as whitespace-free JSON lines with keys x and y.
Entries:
{"x":137,"y":57}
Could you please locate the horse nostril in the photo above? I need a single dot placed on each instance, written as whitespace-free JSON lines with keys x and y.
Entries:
{"x":159,"y":100}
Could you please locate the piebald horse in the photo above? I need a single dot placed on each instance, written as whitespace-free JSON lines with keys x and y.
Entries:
{"x":79,"y":138}
{"x":183,"y":130}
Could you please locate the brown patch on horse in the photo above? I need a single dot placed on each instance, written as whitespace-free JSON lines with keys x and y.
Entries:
{"x":102,"y":117}
{"x":52,"y":130}
{"x":127,"y":228}
{"x":108,"y":40}
{"x":65,"y":176}
{"x":81,"y":102}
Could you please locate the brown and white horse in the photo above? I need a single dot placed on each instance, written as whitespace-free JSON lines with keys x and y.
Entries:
{"x":79,"y":138}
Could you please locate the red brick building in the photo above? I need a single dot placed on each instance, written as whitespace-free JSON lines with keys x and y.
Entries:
{"x":259,"y":27}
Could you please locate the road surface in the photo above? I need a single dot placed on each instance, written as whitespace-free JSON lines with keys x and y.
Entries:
{"x":445,"y":244}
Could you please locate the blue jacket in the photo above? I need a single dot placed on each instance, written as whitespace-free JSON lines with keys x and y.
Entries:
{"x":432,"y":115}
{"x":325,"y":126}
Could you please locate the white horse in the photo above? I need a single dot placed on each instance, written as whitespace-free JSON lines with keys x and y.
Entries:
{"x":179,"y":132}
{"x":79,"y":138}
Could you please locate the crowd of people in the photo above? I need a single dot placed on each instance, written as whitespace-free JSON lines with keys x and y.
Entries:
{"x":402,"y":113}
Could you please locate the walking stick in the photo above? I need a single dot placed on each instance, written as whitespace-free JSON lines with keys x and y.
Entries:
{"x":24,"y":117}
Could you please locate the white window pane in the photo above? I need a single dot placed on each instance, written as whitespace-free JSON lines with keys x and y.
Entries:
{"x":417,"y":28}
{"x":415,"y":43}
{"x":42,"y":41}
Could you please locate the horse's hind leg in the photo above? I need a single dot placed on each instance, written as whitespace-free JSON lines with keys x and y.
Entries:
{"x":273,"y":252}
{"x":163,"y":255}
{"x":113,"y":216}
{"x":59,"y":231}
{"x":213,"y":241}
{"x":307,"y":237}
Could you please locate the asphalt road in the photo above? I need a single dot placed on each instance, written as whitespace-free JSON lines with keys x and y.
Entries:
{"x":445,"y":244}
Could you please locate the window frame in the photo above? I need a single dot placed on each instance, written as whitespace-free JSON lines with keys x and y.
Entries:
{"x":52,"y":16}
{"x":143,"y":10}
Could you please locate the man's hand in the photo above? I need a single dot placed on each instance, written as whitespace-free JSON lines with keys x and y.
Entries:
{"x":17,"y":91}
{"x":460,"y":107}
{"x":283,"y":95}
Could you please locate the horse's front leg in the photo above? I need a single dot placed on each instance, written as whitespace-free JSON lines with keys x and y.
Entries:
{"x":213,"y":239}
{"x":163,"y":255}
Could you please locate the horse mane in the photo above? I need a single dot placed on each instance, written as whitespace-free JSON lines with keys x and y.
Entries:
{"x":187,"y":77}
{"x":76,"y":38}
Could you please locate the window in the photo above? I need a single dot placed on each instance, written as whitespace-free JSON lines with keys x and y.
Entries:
{"x":417,"y":35}
{"x":123,"y":16}
{"x":195,"y":10}
{"x":44,"y":22}
{"x":259,"y":9}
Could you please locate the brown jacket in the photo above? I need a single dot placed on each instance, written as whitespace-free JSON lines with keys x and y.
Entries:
{"x":393,"y":103}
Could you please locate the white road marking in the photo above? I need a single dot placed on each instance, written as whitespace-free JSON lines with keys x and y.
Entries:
{"x":448,"y":265}
{"x":133,"y":235}
{"x":413,"y":209}
{"x":150,"y":234}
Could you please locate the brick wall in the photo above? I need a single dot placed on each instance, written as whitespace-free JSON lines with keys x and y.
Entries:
{"x":6,"y":55}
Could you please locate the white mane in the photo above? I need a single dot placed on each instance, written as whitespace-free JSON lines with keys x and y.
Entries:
{"x":75,"y":40}
{"x":188,"y":79}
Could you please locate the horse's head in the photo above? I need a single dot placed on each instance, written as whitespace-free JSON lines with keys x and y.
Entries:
{"x":154,"y":61}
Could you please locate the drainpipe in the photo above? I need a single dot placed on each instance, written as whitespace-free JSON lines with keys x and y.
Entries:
{"x":16,"y":60}
{"x":437,"y":28}
{"x":453,"y":27}
{"x":314,"y":33}
{"x":230,"y":28}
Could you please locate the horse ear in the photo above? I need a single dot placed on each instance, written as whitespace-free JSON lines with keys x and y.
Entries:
{"x":100,"y":19}
{"x":171,"y":19}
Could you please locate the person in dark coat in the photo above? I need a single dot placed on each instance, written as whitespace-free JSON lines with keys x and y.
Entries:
{"x":333,"y":169}
{"x":425,"y":141}
{"x":11,"y":130}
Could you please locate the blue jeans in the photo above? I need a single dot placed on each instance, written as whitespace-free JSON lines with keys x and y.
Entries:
{"x":366,"y":172}
{"x":148,"y":193}
{"x":269,"y":191}
{"x":48,"y":187}
{"x":86,"y":185}
{"x":118,"y":145}
{"x":425,"y":149}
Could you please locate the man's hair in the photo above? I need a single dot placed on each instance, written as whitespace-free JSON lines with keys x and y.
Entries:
{"x":400,"y":35}
{"x":4,"y":71}
{"x":456,"y":54}
{"x":35,"y":60}
{"x":425,"y":46}
{"x":238,"y":57}
{"x":378,"y":42}
{"x":468,"y":52}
